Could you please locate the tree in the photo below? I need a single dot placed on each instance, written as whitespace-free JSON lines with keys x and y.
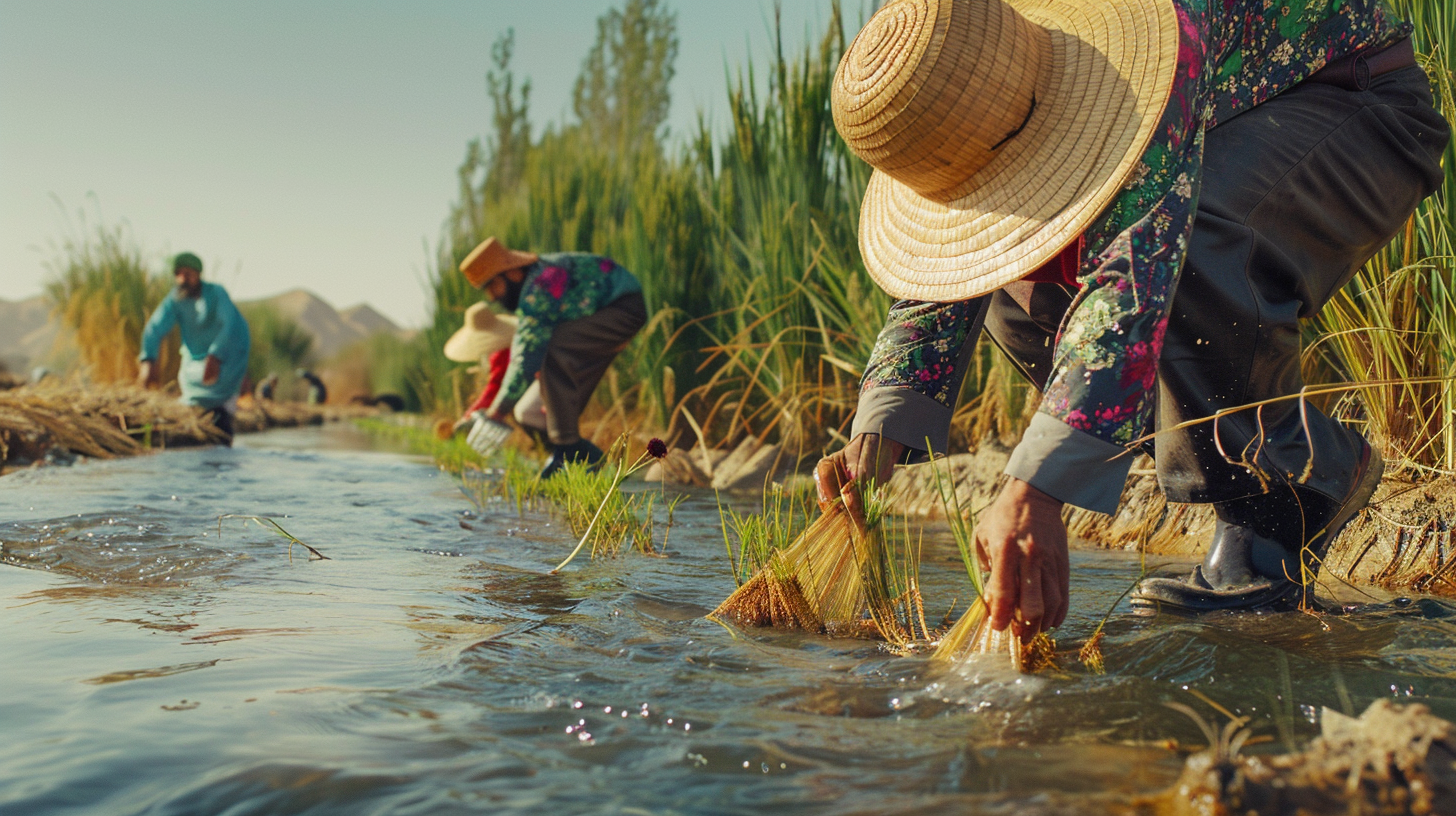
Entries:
{"x":512,"y":139}
{"x":621,"y":96}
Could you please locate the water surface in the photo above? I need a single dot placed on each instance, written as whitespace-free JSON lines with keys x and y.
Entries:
{"x":152,"y":665}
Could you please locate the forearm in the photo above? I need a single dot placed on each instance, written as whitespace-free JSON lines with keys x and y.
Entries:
{"x":915,"y":372}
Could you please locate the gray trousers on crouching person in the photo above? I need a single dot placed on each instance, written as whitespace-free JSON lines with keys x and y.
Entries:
{"x":578,"y":355}
{"x":1297,"y":193}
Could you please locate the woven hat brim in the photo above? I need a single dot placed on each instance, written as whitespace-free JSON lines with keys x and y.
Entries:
{"x":1113,"y":70}
{"x":469,"y":344}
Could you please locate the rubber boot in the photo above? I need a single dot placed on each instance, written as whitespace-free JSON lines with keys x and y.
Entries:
{"x":1258,"y":559}
{"x":563,"y":455}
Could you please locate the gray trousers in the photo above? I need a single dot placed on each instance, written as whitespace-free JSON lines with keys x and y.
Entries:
{"x":578,"y":355}
{"x":1297,"y":194}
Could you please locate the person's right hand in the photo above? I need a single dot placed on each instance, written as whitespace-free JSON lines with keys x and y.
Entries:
{"x":464,"y":422}
{"x":867,"y":459}
{"x":145,"y":374}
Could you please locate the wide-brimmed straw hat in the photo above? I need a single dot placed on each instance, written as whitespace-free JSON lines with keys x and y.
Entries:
{"x":483,"y":334}
{"x":998,"y":130}
{"x":491,"y":258}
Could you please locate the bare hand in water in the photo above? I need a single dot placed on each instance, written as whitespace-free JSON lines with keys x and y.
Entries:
{"x":867,"y":459}
{"x":1022,"y":540}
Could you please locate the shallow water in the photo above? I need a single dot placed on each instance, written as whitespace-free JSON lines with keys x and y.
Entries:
{"x":151,"y":665}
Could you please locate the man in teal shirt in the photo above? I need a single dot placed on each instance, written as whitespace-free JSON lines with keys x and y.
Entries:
{"x":215,"y":342}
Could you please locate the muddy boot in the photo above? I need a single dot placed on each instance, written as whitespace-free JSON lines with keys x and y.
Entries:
{"x":563,"y":455}
{"x":1257,"y":560}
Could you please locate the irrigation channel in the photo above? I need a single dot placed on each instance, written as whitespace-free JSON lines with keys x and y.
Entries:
{"x":432,"y":665}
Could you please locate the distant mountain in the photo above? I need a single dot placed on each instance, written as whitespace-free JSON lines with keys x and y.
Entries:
{"x":27,"y":333}
{"x":333,"y":330}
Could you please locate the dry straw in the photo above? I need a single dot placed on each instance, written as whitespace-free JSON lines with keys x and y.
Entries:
{"x":844,"y":575}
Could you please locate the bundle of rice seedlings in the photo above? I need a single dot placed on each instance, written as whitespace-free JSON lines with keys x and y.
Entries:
{"x":836,"y":567}
{"x":972,"y":633}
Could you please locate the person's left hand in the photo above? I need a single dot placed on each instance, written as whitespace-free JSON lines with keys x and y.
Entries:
{"x":498,"y":416}
{"x":1022,"y":540}
{"x":210,"y":370}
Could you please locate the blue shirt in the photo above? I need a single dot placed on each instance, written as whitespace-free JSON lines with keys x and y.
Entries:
{"x":210,"y":325}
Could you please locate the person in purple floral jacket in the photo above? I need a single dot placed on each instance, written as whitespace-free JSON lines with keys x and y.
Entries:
{"x":574,"y":313}
{"x":1286,"y":143}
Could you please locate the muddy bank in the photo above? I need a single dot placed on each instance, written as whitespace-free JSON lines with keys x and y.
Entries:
{"x":1403,"y":542}
{"x":55,"y":422}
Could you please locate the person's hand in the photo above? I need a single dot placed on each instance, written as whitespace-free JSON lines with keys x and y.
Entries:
{"x":867,"y":459}
{"x":1022,"y":540}
{"x":145,"y":374}
{"x":211,"y":368}
{"x":497,"y":416}
{"x":463,"y":422}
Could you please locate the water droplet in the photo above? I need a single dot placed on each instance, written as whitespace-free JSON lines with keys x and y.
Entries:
{"x":1309,"y":713}
{"x":687,"y":726}
{"x":608,"y":709}
{"x":765,"y":767}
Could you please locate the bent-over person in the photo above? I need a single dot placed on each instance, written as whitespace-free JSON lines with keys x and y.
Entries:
{"x":1139,"y":200}
{"x":574,"y":313}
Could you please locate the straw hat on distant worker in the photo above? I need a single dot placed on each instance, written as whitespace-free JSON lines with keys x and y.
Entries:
{"x":998,"y":131}
{"x":483,"y":334}
{"x":492,"y":258}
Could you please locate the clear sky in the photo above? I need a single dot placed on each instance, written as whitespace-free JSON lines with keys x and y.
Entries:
{"x":295,"y":142}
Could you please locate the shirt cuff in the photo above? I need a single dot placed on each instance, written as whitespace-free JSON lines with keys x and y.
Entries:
{"x":905,"y":416}
{"x":1069,"y":465}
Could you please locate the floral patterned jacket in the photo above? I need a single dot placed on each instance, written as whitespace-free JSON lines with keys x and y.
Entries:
{"x":558,"y":287}
{"x":1233,"y":55}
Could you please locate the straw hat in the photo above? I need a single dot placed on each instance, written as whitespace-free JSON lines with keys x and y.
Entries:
{"x":490,"y":259}
{"x":998,"y":130}
{"x":483,"y":334}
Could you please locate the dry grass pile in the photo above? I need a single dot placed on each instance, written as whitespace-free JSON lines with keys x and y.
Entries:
{"x":32,"y":423}
{"x":106,"y":421}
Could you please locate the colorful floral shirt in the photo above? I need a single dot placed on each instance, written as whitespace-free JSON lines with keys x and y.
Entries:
{"x":1233,"y":55}
{"x":559,"y":287}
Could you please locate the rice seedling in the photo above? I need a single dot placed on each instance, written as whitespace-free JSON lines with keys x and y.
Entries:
{"x":972,"y":633}
{"x":580,"y":482}
{"x":838,"y":574}
{"x":271,"y":524}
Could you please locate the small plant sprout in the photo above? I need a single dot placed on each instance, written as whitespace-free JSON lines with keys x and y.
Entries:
{"x":270,"y":524}
{"x":656,"y":449}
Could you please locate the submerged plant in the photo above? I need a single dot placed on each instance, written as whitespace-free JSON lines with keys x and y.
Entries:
{"x":271,"y":524}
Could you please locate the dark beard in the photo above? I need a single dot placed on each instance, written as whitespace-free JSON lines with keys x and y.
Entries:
{"x":512,"y":298}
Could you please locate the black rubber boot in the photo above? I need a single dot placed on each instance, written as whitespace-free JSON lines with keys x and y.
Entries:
{"x":563,"y":455}
{"x":1257,"y":560}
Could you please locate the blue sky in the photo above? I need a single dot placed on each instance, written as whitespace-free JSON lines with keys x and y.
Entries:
{"x":299,"y":143}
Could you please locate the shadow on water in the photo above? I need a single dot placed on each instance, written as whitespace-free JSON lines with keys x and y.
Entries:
{"x":434,"y":666}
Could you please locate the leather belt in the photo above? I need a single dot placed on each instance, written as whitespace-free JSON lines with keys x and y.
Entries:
{"x":1353,"y":72}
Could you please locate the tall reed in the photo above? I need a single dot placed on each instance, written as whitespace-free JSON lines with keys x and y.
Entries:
{"x":102,"y":290}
